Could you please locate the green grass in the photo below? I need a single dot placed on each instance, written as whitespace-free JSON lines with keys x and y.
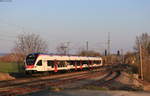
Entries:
{"x":7,"y":67}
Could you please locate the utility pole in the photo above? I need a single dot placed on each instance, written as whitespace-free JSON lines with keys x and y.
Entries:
{"x":108,"y":49}
{"x":108,"y":42}
{"x":141,"y":61}
{"x":122,"y":56}
{"x":87,"y":45}
{"x":68,"y":43}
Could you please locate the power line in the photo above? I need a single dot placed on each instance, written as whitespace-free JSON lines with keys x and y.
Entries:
{"x":4,"y":39}
{"x":11,"y":24}
{"x":7,"y":36}
{"x":22,"y":28}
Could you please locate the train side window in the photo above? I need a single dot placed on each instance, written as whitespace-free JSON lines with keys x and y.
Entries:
{"x":94,"y":62}
{"x":100,"y":61}
{"x":50,"y":63}
{"x":78,"y":63}
{"x":89,"y":62}
{"x":84,"y":62}
{"x":39,"y":63}
{"x":71,"y":62}
{"x":61,"y":63}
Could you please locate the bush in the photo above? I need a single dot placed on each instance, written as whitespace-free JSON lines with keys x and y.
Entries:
{"x":146,"y":68}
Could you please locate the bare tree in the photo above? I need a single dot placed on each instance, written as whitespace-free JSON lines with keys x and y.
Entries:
{"x":29,"y":43}
{"x":142,"y":46}
{"x":144,"y":41}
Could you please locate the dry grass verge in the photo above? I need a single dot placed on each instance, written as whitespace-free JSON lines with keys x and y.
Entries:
{"x":5,"y":76}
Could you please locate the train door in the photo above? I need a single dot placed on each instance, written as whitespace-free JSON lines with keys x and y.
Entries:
{"x":55,"y":66}
{"x":44,"y":62}
{"x":81,"y":65}
{"x":41,"y":65}
{"x":76,"y":65}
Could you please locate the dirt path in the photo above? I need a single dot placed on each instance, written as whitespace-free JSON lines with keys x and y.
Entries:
{"x":91,"y":93}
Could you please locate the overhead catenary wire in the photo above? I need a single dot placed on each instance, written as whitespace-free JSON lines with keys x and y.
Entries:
{"x":7,"y":37}
{"x":21,"y":28}
{"x":4,"y":37}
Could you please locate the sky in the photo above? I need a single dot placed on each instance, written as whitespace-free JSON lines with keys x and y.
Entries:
{"x":75,"y":21}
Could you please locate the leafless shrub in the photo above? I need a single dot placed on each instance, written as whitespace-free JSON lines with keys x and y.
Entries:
{"x":88,"y":53}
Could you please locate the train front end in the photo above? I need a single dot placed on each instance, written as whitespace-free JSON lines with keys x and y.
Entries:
{"x":30,"y":63}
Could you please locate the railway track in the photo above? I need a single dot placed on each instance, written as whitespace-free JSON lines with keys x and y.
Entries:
{"x":108,"y":80}
{"x":31,"y":85}
{"x":103,"y":81}
{"x":44,"y":78}
{"x":21,"y":87}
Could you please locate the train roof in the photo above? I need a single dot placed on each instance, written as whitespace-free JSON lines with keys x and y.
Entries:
{"x":64,"y":57}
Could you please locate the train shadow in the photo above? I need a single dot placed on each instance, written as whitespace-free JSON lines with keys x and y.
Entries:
{"x":18,"y":75}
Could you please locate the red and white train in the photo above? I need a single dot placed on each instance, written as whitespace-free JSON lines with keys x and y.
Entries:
{"x":39,"y":62}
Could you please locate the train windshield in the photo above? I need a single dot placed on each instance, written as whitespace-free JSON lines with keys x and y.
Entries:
{"x":31,"y":58}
